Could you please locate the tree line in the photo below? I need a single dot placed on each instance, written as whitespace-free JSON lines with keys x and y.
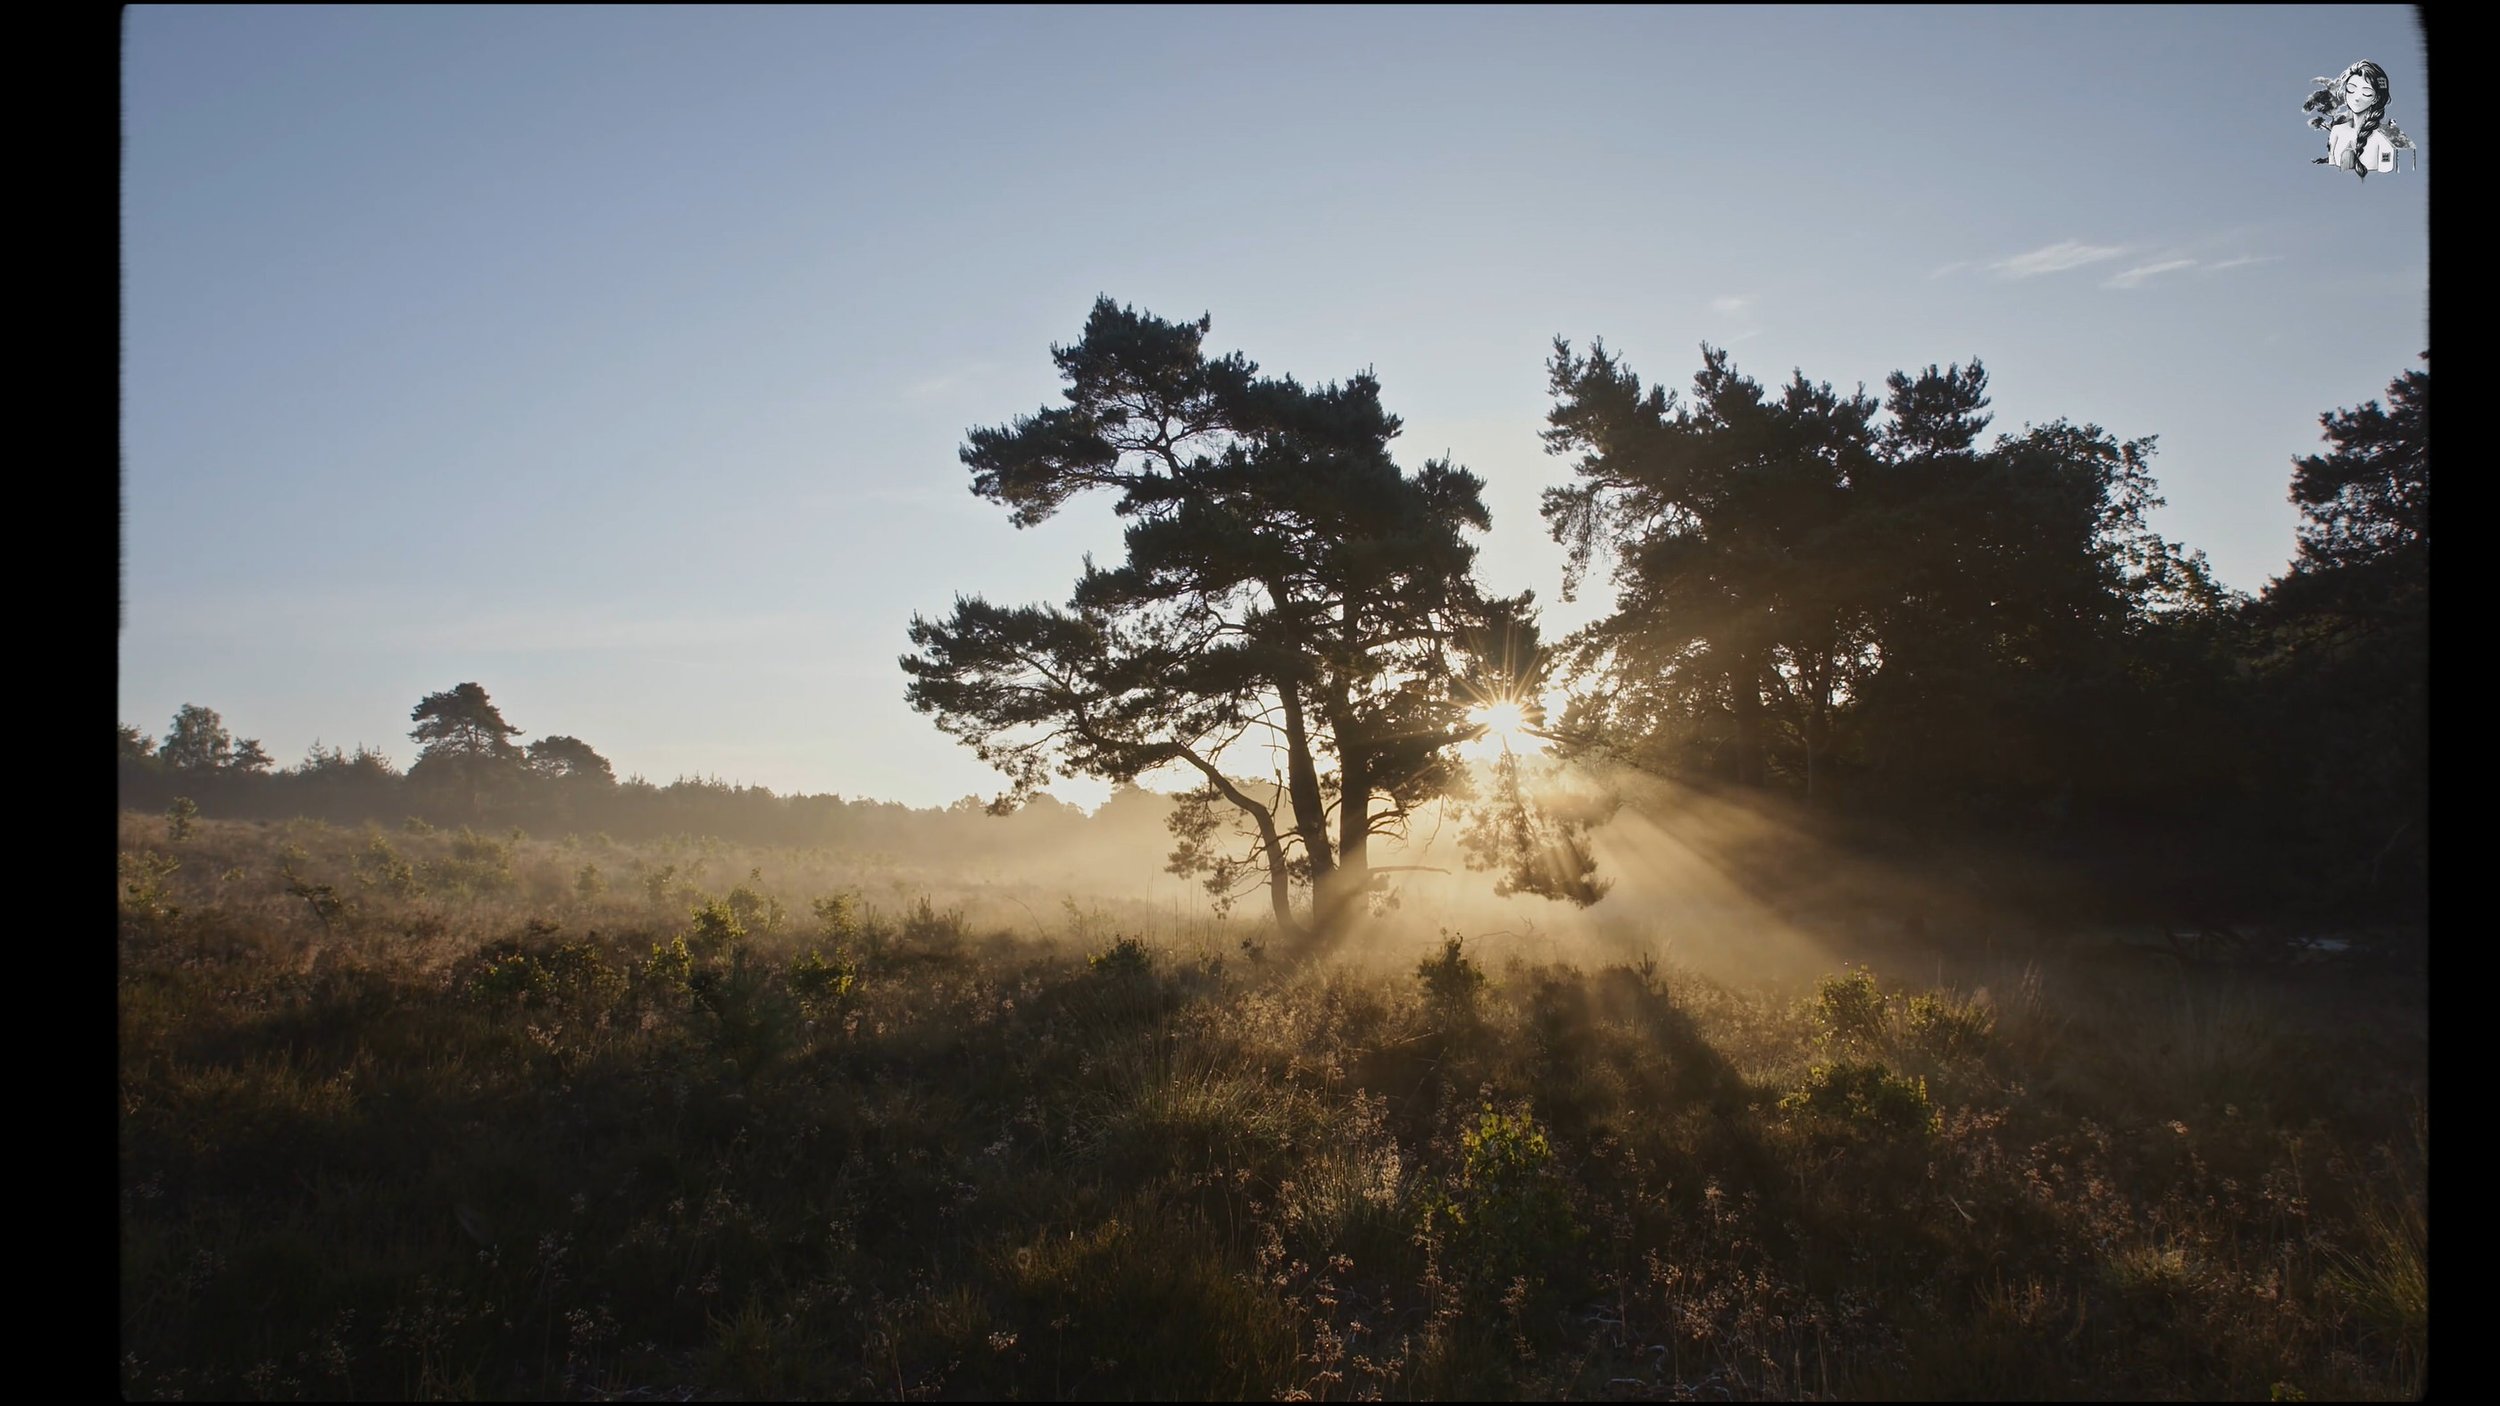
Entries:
{"x":470,"y":770}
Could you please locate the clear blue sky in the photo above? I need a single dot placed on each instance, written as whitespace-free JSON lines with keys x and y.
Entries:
{"x":617,"y":359}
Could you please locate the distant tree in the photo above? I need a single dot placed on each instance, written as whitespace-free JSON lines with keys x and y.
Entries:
{"x":465,"y":723}
{"x":335,"y":762}
{"x":562,"y":758}
{"x":248,"y":758}
{"x":1291,"y":599}
{"x":197,"y":741}
{"x":136,"y":746}
{"x":467,"y":746}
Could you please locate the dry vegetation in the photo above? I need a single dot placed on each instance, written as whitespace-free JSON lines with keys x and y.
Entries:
{"x":439,"y":1114}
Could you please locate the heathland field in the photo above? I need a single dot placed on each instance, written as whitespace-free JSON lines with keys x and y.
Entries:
{"x":417,"y":1112}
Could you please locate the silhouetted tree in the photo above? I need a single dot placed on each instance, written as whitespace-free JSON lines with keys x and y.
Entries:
{"x":463,"y":722}
{"x":467,"y":745}
{"x":2345,"y":651}
{"x":325,"y":762}
{"x":136,"y":746}
{"x":2365,"y":507}
{"x":1806,"y":577}
{"x":1733,"y":527}
{"x":197,"y":741}
{"x":562,"y":758}
{"x":1289,"y":593}
{"x":248,"y":758}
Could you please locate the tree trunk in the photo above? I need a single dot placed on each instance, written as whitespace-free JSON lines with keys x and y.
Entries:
{"x":1818,"y":731}
{"x":1271,"y":843}
{"x":1310,"y":811}
{"x":1279,"y":884}
{"x":1353,"y":873}
{"x":1745,"y":684}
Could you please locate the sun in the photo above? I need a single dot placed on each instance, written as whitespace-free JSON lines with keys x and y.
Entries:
{"x":1506,"y":725}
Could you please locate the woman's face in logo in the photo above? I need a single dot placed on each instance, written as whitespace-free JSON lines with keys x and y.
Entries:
{"x":2359,"y":92}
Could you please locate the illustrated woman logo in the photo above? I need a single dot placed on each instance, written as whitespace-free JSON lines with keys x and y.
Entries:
{"x":2351,"y":108}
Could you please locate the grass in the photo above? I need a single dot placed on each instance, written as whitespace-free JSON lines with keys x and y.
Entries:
{"x":474,"y":1128}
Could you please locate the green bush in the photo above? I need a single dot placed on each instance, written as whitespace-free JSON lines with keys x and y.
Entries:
{"x":1509,"y":1213}
{"x":511,"y":976}
{"x":1851,"y":1007}
{"x":822,"y":981}
{"x":716,"y":930}
{"x":578,"y":969}
{"x":838,"y":916}
{"x":670,"y":965}
{"x":383,"y":867}
{"x":1864,"y":1096}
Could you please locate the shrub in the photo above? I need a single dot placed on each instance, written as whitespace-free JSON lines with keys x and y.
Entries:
{"x":322,"y":899}
{"x":716,"y":929}
{"x":1864,"y":1096}
{"x":1508,"y":1213}
{"x":511,"y":976}
{"x":752,"y":1022}
{"x":589,"y":883}
{"x":822,"y":981}
{"x":932,"y":927}
{"x":1945,"y":1027}
{"x":753,"y":910}
{"x":508,"y":970}
{"x":144,"y":886}
{"x":577,"y":967}
{"x":382,"y":867}
{"x":1451,"y":981}
{"x":180,"y":817}
{"x":670,"y":965}
{"x":1851,"y":1006}
{"x":477,"y":864}
{"x":838,"y":915}
{"x":1126,"y":959}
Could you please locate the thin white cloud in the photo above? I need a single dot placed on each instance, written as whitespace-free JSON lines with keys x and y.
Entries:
{"x":2242,"y":261}
{"x":1732,"y":304}
{"x":946,"y":382}
{"x":2137,"y":276}
{"x":1955,"y":267}
{"x":2055,"y":258}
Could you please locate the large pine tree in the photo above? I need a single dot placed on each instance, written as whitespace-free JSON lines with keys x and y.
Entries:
{"x":1292,"y":602}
